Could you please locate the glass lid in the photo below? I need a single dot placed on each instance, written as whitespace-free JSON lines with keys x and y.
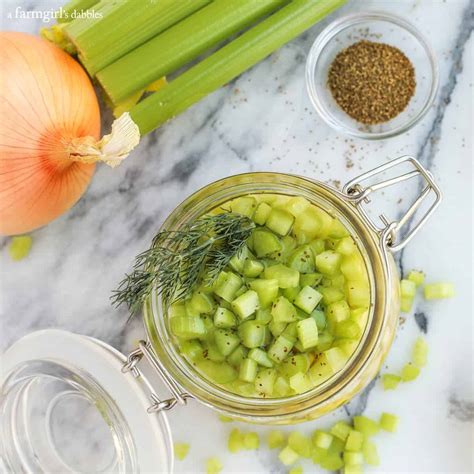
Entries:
{"x":66,"y":406}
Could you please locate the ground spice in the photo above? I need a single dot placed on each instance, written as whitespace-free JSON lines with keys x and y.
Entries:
{"x":372,"y":82}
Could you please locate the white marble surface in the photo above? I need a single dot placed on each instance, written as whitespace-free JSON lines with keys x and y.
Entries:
{"x":264,"y":121}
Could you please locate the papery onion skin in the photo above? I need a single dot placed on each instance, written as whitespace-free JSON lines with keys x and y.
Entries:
{"x":46,"y":101}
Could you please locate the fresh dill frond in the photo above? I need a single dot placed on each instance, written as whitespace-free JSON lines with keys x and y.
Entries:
{"x":178,"y":259}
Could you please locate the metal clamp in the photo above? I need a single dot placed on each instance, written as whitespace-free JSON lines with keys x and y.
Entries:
{"x":358,"y":194}
{"x":179,"y":397}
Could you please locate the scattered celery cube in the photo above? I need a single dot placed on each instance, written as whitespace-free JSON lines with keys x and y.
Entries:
{"x":353,"y":458}
{"x":410,"y":372}
{"x":236,"y":441}
{"x":287,"y":456}
{"x":370,"y":453}
{"x":20,"y":247}
{"x":420,"y":352}
{"x":436,"y":291}
{"x":276,"y":439}
{"x":213,"y":466}
{"x":341,"y":430}
{"x":300,"y":444}
{"x":416,"y":277}
{"x":389,"y":422}
{"x":307,"y":299}
{"x":365,"y":425}
{"x":354,"y":441}
{"x":251,"y":441}
{"x":322,"y":440}
{"x":181,"y":450}
{"x":390,"y":381}
{"x":296,"y":470}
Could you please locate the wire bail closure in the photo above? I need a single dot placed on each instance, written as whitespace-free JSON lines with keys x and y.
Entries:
{"x":355,"y":192}
{"x":178,"y":396}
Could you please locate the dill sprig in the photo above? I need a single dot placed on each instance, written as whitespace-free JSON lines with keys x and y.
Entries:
{"x":178,"y":259}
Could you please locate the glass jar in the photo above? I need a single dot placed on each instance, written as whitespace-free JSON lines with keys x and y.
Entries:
{"x":50,"y":379}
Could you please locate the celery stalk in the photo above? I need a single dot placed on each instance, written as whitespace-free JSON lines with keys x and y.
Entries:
{"x":180,"y":44}
{"x":123,"y":26}
{"x":230,"y":61}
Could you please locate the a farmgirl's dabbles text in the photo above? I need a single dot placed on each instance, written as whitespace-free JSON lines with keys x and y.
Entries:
{"x":287,"y":312}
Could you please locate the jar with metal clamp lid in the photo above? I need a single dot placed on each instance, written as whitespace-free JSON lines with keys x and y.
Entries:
{"x":50,"y":378}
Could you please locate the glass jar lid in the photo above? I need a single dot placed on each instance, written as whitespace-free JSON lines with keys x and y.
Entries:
{"x":66,"y":406}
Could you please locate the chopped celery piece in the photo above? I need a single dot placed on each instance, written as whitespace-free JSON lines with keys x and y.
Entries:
{"x":300,"y":443}
{"x":294,"y":364}
{"x":260,"y":357}
{"x":337,"y":446}
{"x":328,"y":262}
{"x":191,"y":349}
{"x":371,"y":456}
{"x":341,"y":430}
{"x":246,"y":304}
{"x":353,"y":267}
{"x":237,"y":262}
{"x":353,"y":458}
{"x":186,"y":327}
{"x":213,"y":466}
{"x":181,"y":450}
{"x":252,"y":268}
{"x":267,"y":291}
{"x":348,"y":329}
{"x":365,"y":425}
{"x":420,"y":352}
{"x":416,"y":277}
{"x":390,"y":381}
{"x":322,"y":440}
{"x":279,"y":221}
{"x":320,"y":370}
{"x":223,"y":318}
{"x":337,"y":230}
{"x":389,"y":422}
{"x":296,"y":470}
{"x":276,"y":328}
{"x":352,"y":469}
{"x":228,"y":287}
{"x":225,"y":419}
{"x":296,"y":205}
{"x":291,"y":293}
{"x":410,"y":372}
{"x":251,"y":440}
{"x":332,"y":462}
{"x":407,"y":288}
{"x":201,"y":303}
{"x":287,"y":277}
{"x":281,"y":387}
{"x":177,"y":309}
{"x":358,"y":293}
{"x":310,"y":279}
{"x":354,"y":441}
{"x":288,"y":456}
{"x":307,"y":299}
{"x":317,"y":246}
{"x":406,"y":304}
{"x":302,"y":259}
{"x":346,"y":246}
{"x":283,"y":311}
{"x":331,"y":295}
{"x":307,"y":333}
{"x":237,"y":356}
{"x":436,"y":291}
{"x":338,"y":311}
{"x":211,"y":352}
{"x":235,"y":443}
{"x":265,"y":381}
{"x":276,"y":439}
{"x":325,"y":341}
{"x":226,"y":341}
{"x":20,"y":247}
{"x":244,"y":205}
{"x":360,"y":316}
{"x":320,"y":319}
{"x":265,"y":243}
{"x":261,"y":213}
{"x":219,"y":372}
{"x":263,"y":315}
{"x":318,"y":454}
{"x":252,"y":334}
{"x":336,"y":358}
{"x":348,"y":346}
{"x":301,"y":383}
{"x":280,"y":348}
{"x":248,"y":370}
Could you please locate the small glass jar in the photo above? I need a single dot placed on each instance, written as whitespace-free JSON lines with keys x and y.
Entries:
{"x":51,"y":378}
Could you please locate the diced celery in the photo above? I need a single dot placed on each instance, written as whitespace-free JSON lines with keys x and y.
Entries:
{"x":320,"y":319}
{"x":177,"y":309}
{"x":276,"y":439}
{"x":365,"y":425}
{"x":353,"y":267}
{"x":346,"y":246}
{"x":297,"y":204}
{"x":389,"y":422}
{"x":244,"y":205}
{"x":248,"y":370}
{"x":352,"y":469}
{"x":279,"y":221}
{"x":302,"y":259}
{"x":436,"y":291}
{"x":237,"y":356}
{"x":301,"y":383}
{"x":310,"y":279}
{"x":283,"y":311}
{"x":251,"y":440}
{"x":261,"y":213}
{"x":348,"y":346}
{"x":211,"y":352}
{"x":252,"y":268}
{"x":219,"y":372}
{"x":287,"y":277}
{"x":281,"y":387}
{"x":337,"y":446}
{"x":307,"y":225}
{"x":260,"y":357}
{"x":181,"y":450}
{"x":308,"y":298}
{"x":294,"y":364}
{"x":267,"y":291}
{"x":354,"y":441}
{"x":287,"y":456}
{"x":226,"y":341}
{"x":332,"y":462}
{"x":291,"y":293}
{"x":416,"y":277}
{"x":338,"y":311}
{"x":246,"y":304}
{"x":202,"y":303}
{"x":318,"y":454}
{"x":328,"y":262}
{"x":237,"y":262}
{"x":265,"y":381}
{"x":265,"y":243}
{"x":20,"y":247}
{"x":406,"y":303}
{"x":420,"y":352}
{"x":336,"y":358}
{"x":317,"y":246}
{"x":263,"y":315}
{"x":331,"y":295}
{"x":348,"y":329}
{"x":228,"y":287}
{"x":252,"y":334}
{"x":341,"y":430}
{"x":320,"y":370}
{"x":213,"y":466}
{"x":371,"y":456}
{"x":390,"y":381}
{"x":235,"y":443}
{"x":410,"y":372}
{"x":307,"y":333}
{"x":360,"y":316}
{"x":186,"y":327}
{"x":322,"y":440}
{"x":300,"y":443}
{"x":296,"y":470}
{"x":276,"y":328}
{"x":191,"y":349}
{"x":223,"y":318}
{"x":337,"y":229}
{"x":407,"y":288}
{"x":358,"y":293}
{"x":353,"y":458}
{"x":280,"y":348}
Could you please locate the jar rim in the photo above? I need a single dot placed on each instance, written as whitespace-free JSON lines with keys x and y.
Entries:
{"x":330,"y":199}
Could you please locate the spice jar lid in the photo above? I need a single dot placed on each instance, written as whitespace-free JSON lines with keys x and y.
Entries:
{"x":66,"y":406}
